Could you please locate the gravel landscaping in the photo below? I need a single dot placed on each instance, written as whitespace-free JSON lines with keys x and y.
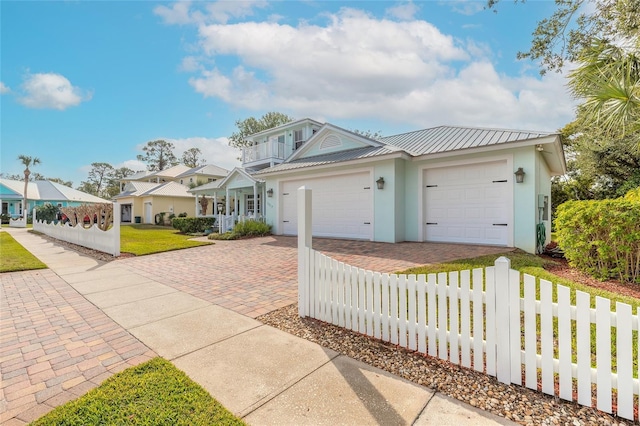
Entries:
{"x":516,"y":403}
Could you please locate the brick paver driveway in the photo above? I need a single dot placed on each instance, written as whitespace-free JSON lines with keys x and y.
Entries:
{"x":259,"y":275}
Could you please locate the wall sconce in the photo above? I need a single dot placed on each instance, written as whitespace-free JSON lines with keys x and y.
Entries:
{"x":270,"y":192}
{"x":380,"y":183}
{"x":519,"y":175}
{"x":539,"y":147}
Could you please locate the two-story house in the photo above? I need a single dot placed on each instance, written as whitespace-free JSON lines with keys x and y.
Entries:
{"x":441,"y":184}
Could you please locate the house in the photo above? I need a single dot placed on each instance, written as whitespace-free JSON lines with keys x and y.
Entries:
{"x":40,"y":192}
{"x":146,"y":195}
{"x":442,"y":184}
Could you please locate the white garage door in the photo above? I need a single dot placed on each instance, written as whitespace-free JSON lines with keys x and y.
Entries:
{"x":468,"y":204}
{"x":342,"y":206}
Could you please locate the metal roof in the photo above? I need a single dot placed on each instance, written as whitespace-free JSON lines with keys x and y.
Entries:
{"x":44,"y":190}
{"x":169,"y":189}
{"x":335,"y":157}
{"x":208,"y":169}
{"x":453,"y":138}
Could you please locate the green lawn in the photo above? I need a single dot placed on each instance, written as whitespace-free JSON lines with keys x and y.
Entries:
{"x":14,"y":257}
{"x":153,"y":393}
{"x":148,"y":239}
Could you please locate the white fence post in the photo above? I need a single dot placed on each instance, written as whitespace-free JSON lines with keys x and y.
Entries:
{"x":503,"y":361}
{"x":116,"y":230}
{"x":304,"y":243}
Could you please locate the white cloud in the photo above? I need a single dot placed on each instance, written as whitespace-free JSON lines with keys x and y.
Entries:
{"x":214,"y":150}
{"x":190,"y":64}
{"x":403,"y":12}
{"x":180,"y":13}
{"x":466,"y":7}
{"x":357,"y":66}
{"x":50,"y":90}
{"x":4,"y":89}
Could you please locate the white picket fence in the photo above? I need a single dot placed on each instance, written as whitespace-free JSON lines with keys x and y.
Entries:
{"x":485,"y":319}
{"x":93,"y":237}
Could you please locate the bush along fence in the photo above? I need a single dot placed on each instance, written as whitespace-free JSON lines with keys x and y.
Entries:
{"x":483,"y":319}
{"x":100,"y":231}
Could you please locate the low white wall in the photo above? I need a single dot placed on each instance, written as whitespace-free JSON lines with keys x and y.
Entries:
{"x":18,"y":223}
{"x":93,"y":237}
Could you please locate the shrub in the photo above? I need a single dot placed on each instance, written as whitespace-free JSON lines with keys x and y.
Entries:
{"x":602,"y":237}
{"x":248,"y":228}
{"x":47,"y":213}
{"x":183,"y":214}
{"x":193,"y":225}
{"x":633,"y":195}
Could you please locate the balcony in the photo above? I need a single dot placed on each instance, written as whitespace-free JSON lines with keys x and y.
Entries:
{"x":263,"y":154}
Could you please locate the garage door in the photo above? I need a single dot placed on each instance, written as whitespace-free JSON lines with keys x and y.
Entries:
{"x":342,"y":206}
{"x":468,"y":204}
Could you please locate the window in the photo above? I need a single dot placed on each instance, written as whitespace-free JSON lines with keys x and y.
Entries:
{"x":211,"y":180}
{"x":190,"y":180}
{"x":180,"y":181}
{"x":281,"y":139}
{"x":297,"y":135}
{"x":250,"y":204}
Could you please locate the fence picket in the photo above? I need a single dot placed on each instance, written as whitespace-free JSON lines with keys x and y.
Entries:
{"x":333,"y":297}
{"x":564,"y":343}
{"x":530,"y":347}
{"x":443,"y":350}
{"x":465,"y":324}
{"x":478,"y":320}
{"x":515,"y":328}
{"x":402,"y":310}
{"x":385,"y":307}
{"x":431,"y":314}
{"x":361,"y":305}
{"x":454,"y":349}
{"x":546,"y":337}
{"x":422,"y":314}
{"x":411,"y":296}
{"x":376,"y":309}
{"x":603,"y":354}
{"x":490,"y":327}
{"x":393,"y":295}
{"x":327,"y":289}
{"x":347,"y":297}
{"x":369,"y":302}
{"x":354,"y":299}
{"x":583,"y":346}
{"x":340,"y":294}
{"x":624,"y":353}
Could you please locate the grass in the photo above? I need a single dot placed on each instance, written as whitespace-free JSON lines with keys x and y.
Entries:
{"x":148,"y":239}
{"x":153,"y":393}
{"x":14,"y":257}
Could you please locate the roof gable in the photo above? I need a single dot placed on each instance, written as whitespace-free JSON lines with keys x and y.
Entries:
{"x":168,"y":189}
{"x":332,"y":139}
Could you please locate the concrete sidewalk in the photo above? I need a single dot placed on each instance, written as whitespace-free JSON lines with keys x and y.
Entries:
{"x":261,"y":374}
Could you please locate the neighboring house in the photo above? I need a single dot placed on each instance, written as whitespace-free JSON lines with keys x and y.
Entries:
{"x":41,"y":192}
{"x":443,"y":184}
{"x":145,"y":195}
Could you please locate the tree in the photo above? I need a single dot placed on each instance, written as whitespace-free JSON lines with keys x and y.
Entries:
{"x":113,"y":187}
{"x":251,"y":125}
{"x":191,"y":157}
{"x":27,"y":161}
{"x":99,"y":177}
{"x":368,"y":134}
{"x":158,"y":155}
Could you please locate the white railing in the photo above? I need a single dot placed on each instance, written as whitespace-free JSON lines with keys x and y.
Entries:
{"x":226,"y":222}
{"x":263,"y":151}
{"x":483,"y":319}
{"x":93,"y":237}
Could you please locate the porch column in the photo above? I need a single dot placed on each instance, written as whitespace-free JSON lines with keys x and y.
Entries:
{"x":226,"y":212}
{"x":236,"y":206}
{"x":255,"y":200}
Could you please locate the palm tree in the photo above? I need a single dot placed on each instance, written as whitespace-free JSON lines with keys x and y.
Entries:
{"x":608,"y":79}
{"x":27,"y":161}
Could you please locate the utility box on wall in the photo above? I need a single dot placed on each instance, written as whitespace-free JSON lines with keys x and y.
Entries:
{"x":543,"y":207}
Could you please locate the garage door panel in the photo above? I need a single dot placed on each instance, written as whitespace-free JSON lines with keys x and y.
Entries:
{"x":462,"y":203}
{"x":341,"y":206}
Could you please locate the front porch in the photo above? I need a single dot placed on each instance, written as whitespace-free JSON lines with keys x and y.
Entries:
{"x":236,"y":198}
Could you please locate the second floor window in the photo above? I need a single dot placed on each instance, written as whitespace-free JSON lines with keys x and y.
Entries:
{"x":297,"y":135}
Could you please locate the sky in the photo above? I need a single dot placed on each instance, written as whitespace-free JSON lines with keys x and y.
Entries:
{"x":93,"y":81}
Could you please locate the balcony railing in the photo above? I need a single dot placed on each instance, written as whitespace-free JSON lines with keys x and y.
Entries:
{"x":262,"y":152}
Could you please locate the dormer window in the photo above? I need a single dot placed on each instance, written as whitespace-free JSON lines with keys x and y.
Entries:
{"x":297,"y":135}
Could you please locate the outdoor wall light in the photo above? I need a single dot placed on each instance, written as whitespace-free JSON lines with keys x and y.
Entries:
{"x":270,"y":192}
{"x":539,"y":147}
{"x":519,"y":175}
{"x":380,"y":183}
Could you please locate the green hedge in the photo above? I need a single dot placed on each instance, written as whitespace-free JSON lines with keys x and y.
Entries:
{"x":248,"y":228}
{"x":602,"y":237}
{"x":47,"y":213}
{"x":193,"y":225}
